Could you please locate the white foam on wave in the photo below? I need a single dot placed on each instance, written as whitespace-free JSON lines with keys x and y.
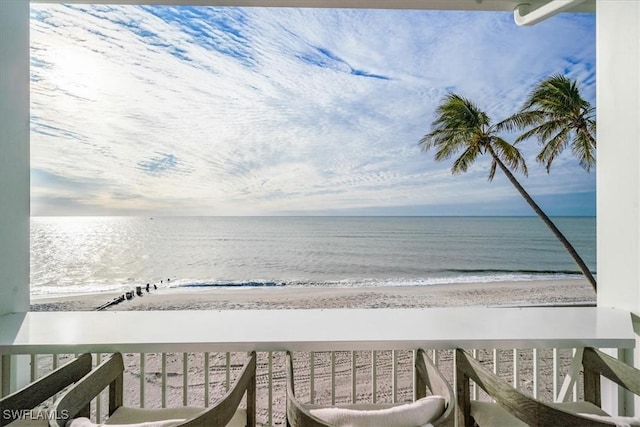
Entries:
{"x":195,"y":285}
{"x":431,"y":281}
{"x":40,"y":292}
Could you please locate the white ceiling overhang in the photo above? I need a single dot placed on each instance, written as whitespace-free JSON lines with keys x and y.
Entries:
{"x":525,"y":12}
{"x":471,"y":5}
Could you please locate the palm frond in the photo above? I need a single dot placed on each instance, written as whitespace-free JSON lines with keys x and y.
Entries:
{"x":589,"y":112}
{"x":591,"y":128}
{"x":509,"y":155}
{"x":542,"y":132}
{"x":553,"y":147}
{"x":556,"y":94}
{"x":457,"y":112}
{"x":458,"y":126}
{"x":448,"y":148}
{"x":492,"y":170}
{"x":520,"y":121}
{"x":463,"y":162}
{"x":553,"y":111}
{"x":446,"y":142}
{"x":583,"y":147}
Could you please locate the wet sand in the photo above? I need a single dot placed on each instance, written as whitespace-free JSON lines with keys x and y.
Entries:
{"x":448,"y":295}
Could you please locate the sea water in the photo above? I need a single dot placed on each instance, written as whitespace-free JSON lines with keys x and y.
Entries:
{"x":72,"y":255}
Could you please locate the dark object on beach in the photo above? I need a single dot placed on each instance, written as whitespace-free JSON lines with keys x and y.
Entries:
{"x":147,"y":287}
{"x":129,"y":295}
{"x":139,"y":291}
{"x":116,"y":300}
{"x":154,"y":285}
{"x":168,"y":280}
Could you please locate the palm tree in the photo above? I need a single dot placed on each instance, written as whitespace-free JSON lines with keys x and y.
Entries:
{"x":461,"y":126}
{"x":558,"y":116}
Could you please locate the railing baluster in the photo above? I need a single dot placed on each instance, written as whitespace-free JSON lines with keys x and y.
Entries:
{"x":414,"y":373}
{"x":374,"y":377}
{"x":54,"y":362}
{"x":5,"y":378}
{"x":333,"y":377}
{"x":474,"y":387}
{"x":164,"y":380}
{"x":227,"y":382}
{"x":206,"y":379}
{"x":575,"y":384}
{"x":312,"y":369}
{"x":394,"y":372}
{"x":435,"y":357}
{"x":98,"y":400}
{"x":496,"y":361}
{"x":34,"y":368}
{"x":516,"y":368}
{"x":536,"y":373}
{"x":556,"y":373}
{"x":570,"y":377}
{"x":142,"y":379}
{"x":185,"y":379}
{"x":353,"y":377}
{"x":270,"y":363}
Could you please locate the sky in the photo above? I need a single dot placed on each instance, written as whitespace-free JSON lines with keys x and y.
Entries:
{"x":148,"y":110}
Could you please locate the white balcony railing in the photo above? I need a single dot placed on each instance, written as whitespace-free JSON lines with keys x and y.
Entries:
{"x":158,"y":380}
{"x":175,"y":358}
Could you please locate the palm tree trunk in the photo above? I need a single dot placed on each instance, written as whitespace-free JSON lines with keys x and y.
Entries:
{"x":583,"y":267}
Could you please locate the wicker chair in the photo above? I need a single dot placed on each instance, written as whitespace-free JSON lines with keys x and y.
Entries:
{"x":427,"y":376}
{"x":224,"y":412}
{"x":514,"y":408}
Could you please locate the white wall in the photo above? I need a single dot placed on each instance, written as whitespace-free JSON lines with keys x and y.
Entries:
{"x":14,"y":156}
{"x":14,"y":173}
{"x":618,"y":169}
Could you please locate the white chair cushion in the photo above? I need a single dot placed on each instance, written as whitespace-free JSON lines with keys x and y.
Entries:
{"x":165,"y":417}
{"x":419,"y":413}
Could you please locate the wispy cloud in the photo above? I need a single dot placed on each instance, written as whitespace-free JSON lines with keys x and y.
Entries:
{"x":203,"y":110}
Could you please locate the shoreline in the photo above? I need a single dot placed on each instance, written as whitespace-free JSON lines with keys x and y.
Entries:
{"x":564,"y":291}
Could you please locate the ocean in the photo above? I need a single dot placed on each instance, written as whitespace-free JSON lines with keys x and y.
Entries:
{"x":75,"y":255}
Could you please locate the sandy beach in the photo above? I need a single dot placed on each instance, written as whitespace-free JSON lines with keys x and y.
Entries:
{"x":448,"y":295}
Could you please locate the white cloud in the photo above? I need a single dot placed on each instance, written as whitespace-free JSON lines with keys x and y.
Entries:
{"x":265,"y":111}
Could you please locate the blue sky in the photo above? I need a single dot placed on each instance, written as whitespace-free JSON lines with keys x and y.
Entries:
{"x":230,"y":111}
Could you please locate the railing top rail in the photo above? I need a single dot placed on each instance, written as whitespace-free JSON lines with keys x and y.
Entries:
{"x":315,"y":330}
